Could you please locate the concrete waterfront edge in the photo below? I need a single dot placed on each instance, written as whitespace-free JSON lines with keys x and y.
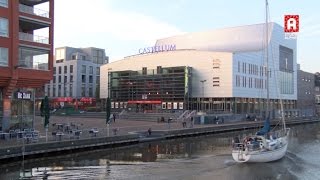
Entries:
{"x":42,"y":149}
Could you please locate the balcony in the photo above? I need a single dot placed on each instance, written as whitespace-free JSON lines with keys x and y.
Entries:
{"x":33,"y":11}
{"x":33,"y":59}
{"x":33,"y":38}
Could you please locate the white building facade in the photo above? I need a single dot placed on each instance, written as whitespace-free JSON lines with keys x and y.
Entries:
{"x":228,"y":69}
{"x":76,"y":73}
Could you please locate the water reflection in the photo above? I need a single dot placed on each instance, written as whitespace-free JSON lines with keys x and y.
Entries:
{"x":205,"y":157}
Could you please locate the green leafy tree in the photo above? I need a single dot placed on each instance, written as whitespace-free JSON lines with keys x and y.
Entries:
{"x":108,"y":110}
{"x":45,"y":111}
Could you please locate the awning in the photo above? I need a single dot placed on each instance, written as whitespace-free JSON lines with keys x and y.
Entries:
{"x":144,"y":102}
{"x":87,"y":99}
{"x":63,"y":99}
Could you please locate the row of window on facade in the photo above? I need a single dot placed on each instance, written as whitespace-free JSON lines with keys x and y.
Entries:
{"x":215,"y":68}
{"x":68,"y":91}
{"x":83,"y":79}
{"x":253,"y":69}
{"x":97,"y":56}
{"x":83,"y":69}
{"x":4,"y":32}
{"x":252,"y":82}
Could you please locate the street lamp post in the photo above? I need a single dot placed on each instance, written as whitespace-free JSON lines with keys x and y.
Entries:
{"x":202,"y":81}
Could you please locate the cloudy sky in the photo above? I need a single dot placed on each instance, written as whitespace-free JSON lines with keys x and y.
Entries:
{"x":123,"y":26}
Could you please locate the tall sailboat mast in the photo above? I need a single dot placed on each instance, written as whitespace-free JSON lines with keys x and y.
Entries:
{"x":267,"y":63}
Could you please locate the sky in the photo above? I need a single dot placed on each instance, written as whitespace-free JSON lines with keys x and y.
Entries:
{"x":122,"y":27}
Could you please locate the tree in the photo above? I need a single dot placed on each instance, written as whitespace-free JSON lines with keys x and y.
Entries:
{"x":45,"y":111}
{"x":108,"y":110}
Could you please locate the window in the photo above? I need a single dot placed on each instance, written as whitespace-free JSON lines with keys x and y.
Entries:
{"x":59,"y":90}
{"x":71,"y":78}
{"x":54,"y":70}
{"x":59,"y":79}
{"x":65,"y":90}
{"x":65,"y":79}
{"x":90,"y":70}
{"x":54,"y":79}
{"x":83,"y":90}
{"x":237,"y":81}
{"x":3,"y":56}
{"x":238,"y":66}
{"x":216,"y":64}
{"x":60,"y":53}
{"x":65,"y":69}
{"x":83,"y":78}
{"x":98,"y":70}
{"x":159,"y":70}
{"x":144,"y":70}
{"x":59,"y":69}
{"x":71,"y":90}
{"x":71,"y":68}
{"x":54,"y":91}
{"x":73,"y":57}
{"x":90,"y":91}
{"x":98,"y":80}
{"x":216,"y":81}
{"x":83,"y":70}
{"x":90,"y":79}
{"x":4,"y":3}
{"x":244,"y":81}
{"x":4,"y":27}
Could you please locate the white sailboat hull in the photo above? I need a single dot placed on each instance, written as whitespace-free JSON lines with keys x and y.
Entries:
{"x":244,"y":155}
{"x":266,"y":156}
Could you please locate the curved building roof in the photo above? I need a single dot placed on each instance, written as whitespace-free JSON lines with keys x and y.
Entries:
{"x":233,"y":39}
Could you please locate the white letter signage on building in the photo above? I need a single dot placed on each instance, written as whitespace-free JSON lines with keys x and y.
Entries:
{"x":154,"y":49}
{"x":24,"y":95}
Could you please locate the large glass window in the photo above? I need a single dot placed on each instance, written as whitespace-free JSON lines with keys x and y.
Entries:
{"x":65,"y":69}
{"x":60,"y":54}
{"x":3,"y":56}
{"x":33,"y":58}
{"x":4,"y":3}
{"x":4,"y":27}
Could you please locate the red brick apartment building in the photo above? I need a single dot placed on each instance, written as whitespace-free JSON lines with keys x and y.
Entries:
{"x":26,"y":58}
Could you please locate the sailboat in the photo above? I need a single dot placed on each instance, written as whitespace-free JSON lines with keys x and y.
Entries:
{"x":266,"y":145}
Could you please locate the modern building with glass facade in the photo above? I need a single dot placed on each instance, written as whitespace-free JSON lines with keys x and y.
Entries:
{"x":225,"y":70}
{"x":26,"y":59}
{"x":76,"y":75}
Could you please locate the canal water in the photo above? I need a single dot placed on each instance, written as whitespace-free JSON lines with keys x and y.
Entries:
{"x":204,"y":157}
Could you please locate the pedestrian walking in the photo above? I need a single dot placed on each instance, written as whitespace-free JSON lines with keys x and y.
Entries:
{"x":149,"y":131}
{"x":191,"y":122}
{"x":114,"y":118}
{"x":184,"y":123}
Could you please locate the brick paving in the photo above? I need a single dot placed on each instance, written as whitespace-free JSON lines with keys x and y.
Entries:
{"x":85,"y":124}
